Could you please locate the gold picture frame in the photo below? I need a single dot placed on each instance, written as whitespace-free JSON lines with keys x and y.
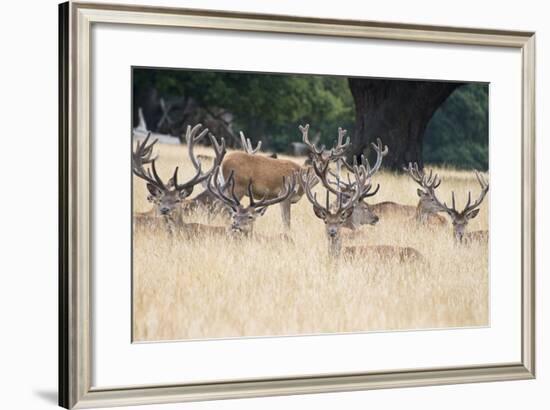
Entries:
{"x":75,"y":353}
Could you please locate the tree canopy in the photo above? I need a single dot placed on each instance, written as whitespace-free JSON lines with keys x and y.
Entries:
{"x":458,"y":134}
{"x":271,"y":106}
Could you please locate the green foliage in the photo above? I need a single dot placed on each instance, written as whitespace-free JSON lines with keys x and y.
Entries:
{"x":271,"y":106}
{"x":265,"y":106}
{"x":457,"y":134}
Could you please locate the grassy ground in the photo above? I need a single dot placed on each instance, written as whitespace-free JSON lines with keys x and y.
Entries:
{"x":215,"y":288}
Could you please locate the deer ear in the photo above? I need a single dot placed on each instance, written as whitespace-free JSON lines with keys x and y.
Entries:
{"x":472,"y":214}
{"x":153,"y":190}
{"x":184,"y":193}
{"x":420,"y":192}
{"x":261,"y":211}
{"x":320,"y":213}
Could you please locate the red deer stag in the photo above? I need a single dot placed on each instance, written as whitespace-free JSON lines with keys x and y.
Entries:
{"x":362,"y":212}
{"x":334,"y":220}
{"x":168,"y":197}
{"x":243,"y":217}
{"x":427,"y":209}
{"x":461,"y":218}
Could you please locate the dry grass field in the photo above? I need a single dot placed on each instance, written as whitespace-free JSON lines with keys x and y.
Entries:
{"x":217,"y":288}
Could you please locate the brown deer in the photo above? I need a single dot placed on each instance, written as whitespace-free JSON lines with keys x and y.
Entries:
{"x":334,"y":220}
{"x":243,"y":217}
{"x":427,"y":209}
{"x":470,"y":211}
{"x":424,"y":213}
{"x":167,"y":197}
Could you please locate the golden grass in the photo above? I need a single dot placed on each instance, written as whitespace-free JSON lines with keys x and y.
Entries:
{"x":214,"y":287}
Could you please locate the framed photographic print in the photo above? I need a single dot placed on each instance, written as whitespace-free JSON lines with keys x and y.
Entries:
{"x":255,"y":205}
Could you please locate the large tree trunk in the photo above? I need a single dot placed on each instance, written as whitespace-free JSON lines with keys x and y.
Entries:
{"x":397,"y":112}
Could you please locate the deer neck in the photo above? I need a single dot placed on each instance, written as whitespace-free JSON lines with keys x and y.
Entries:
{"x":421,"y":215}
{"x":334,"y":246}
{"x":458,"y":236}
{"x":174,"y":219}
{"x":177,"y":216}
{"x":250,"y":232}
{"x":170,"y":224}
{"x":352,"y":222}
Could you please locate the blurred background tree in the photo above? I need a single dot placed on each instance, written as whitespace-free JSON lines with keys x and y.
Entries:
{"x":269,"y":107}
{"x":458,"y":134}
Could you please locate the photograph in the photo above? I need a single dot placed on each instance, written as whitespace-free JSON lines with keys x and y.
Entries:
{"x":281,"y":204}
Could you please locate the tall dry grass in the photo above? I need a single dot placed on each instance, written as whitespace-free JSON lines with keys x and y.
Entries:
{"x":213,"y":287}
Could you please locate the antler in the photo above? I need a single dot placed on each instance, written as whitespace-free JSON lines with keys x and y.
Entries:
{"x":469,"y":206}
{"x":381,"y":152}
{"x":335,"y":152}
{"x":218,"y":191}
{"x":428,"y":182}
{"x":262,"y":203}
{"x":247,"y":145}
{"x":143,"y":156}
{"x":307,"y":182}
{"x":143,"y":153}
{"x":193,"y":135}
{"x":350,"y":186}
{"x":305,"y":139}
{"x":361,"y":177}
{"x":484,"y":189}
{"x":219,"y":150}
{"x":359,"y":191}
{"x":340,"y":149}
{"x":360,"y":188}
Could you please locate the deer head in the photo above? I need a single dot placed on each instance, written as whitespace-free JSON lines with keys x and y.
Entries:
{"x":428,"y":184}
{"x":243,"y":217}
{"x":167,"y":196}
{"x":336,"y":217}
{"x":470,"y":211}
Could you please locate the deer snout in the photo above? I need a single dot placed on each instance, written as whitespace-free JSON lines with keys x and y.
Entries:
{"x":332,"y":231}
{"x":374,"y":220}
{"x":164,"y":210}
